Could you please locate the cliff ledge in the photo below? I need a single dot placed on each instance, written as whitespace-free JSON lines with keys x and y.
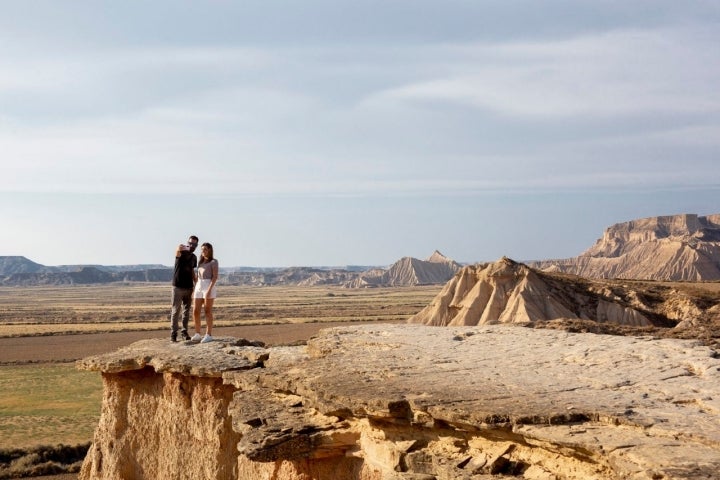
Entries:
{"x":410,"y":402}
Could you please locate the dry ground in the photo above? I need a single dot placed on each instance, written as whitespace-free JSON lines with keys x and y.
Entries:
{"x":65,"y":323}
{"x":55,"y":310}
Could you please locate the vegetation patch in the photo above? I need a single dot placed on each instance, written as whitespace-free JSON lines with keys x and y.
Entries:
{"x":41,"y":460}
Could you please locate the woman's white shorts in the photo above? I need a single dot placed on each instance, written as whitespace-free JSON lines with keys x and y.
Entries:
{"x":201,"y":288}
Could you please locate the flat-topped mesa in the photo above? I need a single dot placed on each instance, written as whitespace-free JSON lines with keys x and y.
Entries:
{"x":510,"y":292}
{"x":408,"y":402}
{"x":623,"y":237}
{"x":674,"y":247}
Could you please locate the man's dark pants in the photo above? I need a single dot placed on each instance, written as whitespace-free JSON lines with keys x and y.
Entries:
{"x":181,"y":300}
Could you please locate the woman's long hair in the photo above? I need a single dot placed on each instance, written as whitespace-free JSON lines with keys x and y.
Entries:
{"x":209,"y":257}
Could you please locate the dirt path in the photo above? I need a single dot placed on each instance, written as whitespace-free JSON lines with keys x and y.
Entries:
{"x":68,"y":348}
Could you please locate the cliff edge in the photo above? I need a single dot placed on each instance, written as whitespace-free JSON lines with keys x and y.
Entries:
{"x":408,"y":402}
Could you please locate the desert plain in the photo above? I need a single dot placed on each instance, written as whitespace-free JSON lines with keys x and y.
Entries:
{"x":44,"y":329}
{"x":45,"y":400}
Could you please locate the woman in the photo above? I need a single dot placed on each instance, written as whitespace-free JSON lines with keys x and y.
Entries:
{"x":204,"y":294}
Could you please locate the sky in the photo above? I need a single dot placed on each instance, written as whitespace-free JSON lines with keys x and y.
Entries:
{"x":331,"y":133}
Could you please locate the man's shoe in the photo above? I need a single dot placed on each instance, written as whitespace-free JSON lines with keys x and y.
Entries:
{"x":185,"y":335}
{"x":207,"y":338}
{"x":173,"y":337}
{"x":196,"y":338}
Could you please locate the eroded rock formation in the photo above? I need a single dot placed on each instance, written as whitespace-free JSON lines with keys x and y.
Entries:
{"x":409,"y":271}
{"x":510,"y":292}
{"x":675,"y":247}
{"x":408,"y":402}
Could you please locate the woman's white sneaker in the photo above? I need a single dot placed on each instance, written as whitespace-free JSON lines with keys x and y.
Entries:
{"x":207,"y":338}
{"x":196,"y":338}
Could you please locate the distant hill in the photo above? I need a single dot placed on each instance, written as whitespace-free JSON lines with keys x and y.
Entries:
{"x":111,"y":268}
{"x":300,"y":276}
{"x":437,"y":269}
{"x":18,"y":264}
{"x":409,"y":271}
{"x":85,"y":276}
{"x":676,"y":247}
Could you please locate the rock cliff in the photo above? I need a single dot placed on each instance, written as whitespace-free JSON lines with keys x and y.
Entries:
{"x":677,"y":247}
{"x":408,"y":402}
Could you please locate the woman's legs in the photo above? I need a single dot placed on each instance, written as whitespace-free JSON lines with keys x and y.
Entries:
{"x":209,"y":315}
{"x":197,"y":308}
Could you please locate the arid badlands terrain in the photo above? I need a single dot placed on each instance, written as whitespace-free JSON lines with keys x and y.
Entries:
{"x":605,"y":366}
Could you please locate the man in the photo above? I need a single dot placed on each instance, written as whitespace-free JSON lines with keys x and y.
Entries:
{"x":184,"y":279}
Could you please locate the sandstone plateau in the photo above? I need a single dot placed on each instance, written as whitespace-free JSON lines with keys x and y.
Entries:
{"x":674,"y":247}
{"x":410,"y":402}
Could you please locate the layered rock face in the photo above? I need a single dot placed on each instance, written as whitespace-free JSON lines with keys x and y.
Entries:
{"x":511,"y":292}
{"x":406,"y":402}
{"x":165,"y":412}
{"x":678,"y":247}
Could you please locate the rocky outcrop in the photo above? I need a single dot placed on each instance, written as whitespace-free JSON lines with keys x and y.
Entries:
{"x":510,"y":292}
{"x":677,"y":247}
{"x":406,"y":402}
{"x":165,"y":410}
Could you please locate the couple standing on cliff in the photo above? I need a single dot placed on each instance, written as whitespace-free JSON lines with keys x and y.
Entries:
{"x":193,"y":282}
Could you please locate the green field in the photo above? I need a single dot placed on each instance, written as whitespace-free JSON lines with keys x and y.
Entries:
{"x":48,"y":404}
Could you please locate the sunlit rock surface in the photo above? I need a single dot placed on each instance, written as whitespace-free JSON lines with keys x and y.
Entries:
{"x":510,"y":292}
{"x":411,"y":402}
{"x":682,"y":247}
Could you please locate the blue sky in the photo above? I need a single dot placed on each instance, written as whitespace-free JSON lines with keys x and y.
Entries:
{"x":337,"y":132}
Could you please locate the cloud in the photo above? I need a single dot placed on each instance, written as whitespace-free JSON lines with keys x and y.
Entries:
{"x":407,"y":118}
{"x":612,"y":74}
